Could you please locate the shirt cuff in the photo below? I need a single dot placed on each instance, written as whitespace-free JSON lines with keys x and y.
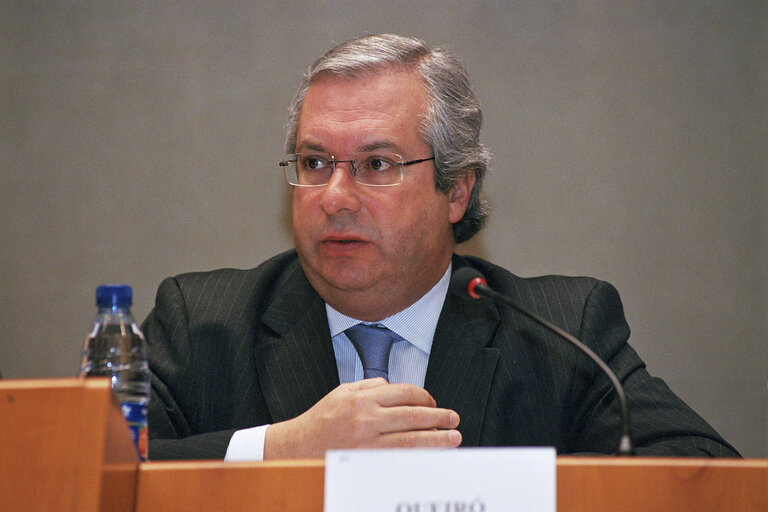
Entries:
{"x":247,"y":445}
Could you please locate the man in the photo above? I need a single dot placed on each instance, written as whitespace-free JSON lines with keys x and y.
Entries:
{"x":386,"y":166}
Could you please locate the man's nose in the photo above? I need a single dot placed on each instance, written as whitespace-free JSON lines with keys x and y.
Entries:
{"x":341,"y":192}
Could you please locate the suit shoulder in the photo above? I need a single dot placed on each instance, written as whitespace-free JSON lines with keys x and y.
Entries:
{"x":268,"y":270}
{"x":538,"y":288}
{"x":229,"y":286}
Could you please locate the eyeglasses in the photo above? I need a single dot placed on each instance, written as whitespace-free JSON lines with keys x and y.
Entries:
{"x":372,"y":169}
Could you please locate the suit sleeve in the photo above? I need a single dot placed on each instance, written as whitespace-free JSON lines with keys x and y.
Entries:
{"x":661,"y":424}
{"x":172,"y":434}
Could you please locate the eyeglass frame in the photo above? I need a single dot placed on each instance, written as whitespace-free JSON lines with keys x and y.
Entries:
{"x":292,"y":159}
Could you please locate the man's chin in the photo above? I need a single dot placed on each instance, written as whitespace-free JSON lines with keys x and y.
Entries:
{"x":352,"y":282}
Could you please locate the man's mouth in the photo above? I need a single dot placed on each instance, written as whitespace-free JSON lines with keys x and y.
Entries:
{"x":342,"y":239}
{"x":343,"y":244}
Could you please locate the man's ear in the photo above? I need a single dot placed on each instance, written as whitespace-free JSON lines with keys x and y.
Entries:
{"x":459,"y":194}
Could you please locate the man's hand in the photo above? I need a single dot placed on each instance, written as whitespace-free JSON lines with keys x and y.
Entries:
{"x":370,"y":413}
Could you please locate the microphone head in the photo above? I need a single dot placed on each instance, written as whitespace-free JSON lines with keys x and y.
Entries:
{"x":464,"y":280}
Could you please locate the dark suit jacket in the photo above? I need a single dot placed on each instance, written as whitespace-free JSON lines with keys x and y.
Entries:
{"x":233,"y":349}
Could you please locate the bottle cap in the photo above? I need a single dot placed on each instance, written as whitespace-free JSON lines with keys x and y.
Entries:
{"x":111,"y":295}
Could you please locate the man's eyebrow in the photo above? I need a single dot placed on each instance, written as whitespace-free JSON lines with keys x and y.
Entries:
{"x":366,"y":148}
{"x":377,"y":145}
{"x":310,"y":146}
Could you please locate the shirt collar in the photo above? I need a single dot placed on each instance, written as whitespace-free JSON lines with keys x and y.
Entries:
{"x":416,"y":323}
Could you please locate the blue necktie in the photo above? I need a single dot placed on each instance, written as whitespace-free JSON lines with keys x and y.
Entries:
{"x":373,"y":343}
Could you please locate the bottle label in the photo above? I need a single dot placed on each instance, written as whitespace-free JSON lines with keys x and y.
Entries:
{"x":136,"y":416}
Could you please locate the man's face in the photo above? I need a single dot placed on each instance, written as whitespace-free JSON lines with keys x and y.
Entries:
{"x":372,"y":251}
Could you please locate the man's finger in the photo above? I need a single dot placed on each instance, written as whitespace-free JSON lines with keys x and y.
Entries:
{"x":367,"y":384}
{"x":420,"y":439}
{"x":403,"y":419}
{"x":403,"y":394}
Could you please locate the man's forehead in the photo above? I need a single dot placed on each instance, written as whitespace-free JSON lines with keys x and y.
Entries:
{"x":373,"y":105}
{"x":391,"y":91}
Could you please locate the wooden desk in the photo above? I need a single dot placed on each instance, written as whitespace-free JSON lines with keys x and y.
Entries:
{"x":583,"y":484}
{"x":64,"y":446}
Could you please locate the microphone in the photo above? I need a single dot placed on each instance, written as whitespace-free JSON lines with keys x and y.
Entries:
{"x":467,"y":280}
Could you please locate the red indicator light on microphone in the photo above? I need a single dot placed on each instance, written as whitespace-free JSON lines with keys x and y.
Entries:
{"x":472,"y":284}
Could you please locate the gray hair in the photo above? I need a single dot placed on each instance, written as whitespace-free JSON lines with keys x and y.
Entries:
{"x":452,"y":118}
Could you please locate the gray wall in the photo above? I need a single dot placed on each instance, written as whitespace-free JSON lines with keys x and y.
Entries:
{"x":139,"y":140}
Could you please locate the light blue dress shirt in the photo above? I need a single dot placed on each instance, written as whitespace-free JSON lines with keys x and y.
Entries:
{"x":409,"y":357}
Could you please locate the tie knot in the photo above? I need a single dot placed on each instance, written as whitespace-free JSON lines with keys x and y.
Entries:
{"x":373,"y":344}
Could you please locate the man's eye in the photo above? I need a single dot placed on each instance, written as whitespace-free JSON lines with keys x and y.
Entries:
{"x":377,"y":163}
{"x":313,"y":163}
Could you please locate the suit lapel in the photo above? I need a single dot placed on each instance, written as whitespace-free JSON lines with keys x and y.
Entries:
{"x":461,"y":362}
{"x":294,"y":358}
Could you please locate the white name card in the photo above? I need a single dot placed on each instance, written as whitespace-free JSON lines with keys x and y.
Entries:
{"x":425,"y":480}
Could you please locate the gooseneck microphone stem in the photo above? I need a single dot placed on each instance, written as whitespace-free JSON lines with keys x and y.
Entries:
{"x":470,"y":281}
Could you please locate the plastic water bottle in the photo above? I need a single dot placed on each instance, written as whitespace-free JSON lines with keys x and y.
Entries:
{"x":115,"y":348}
